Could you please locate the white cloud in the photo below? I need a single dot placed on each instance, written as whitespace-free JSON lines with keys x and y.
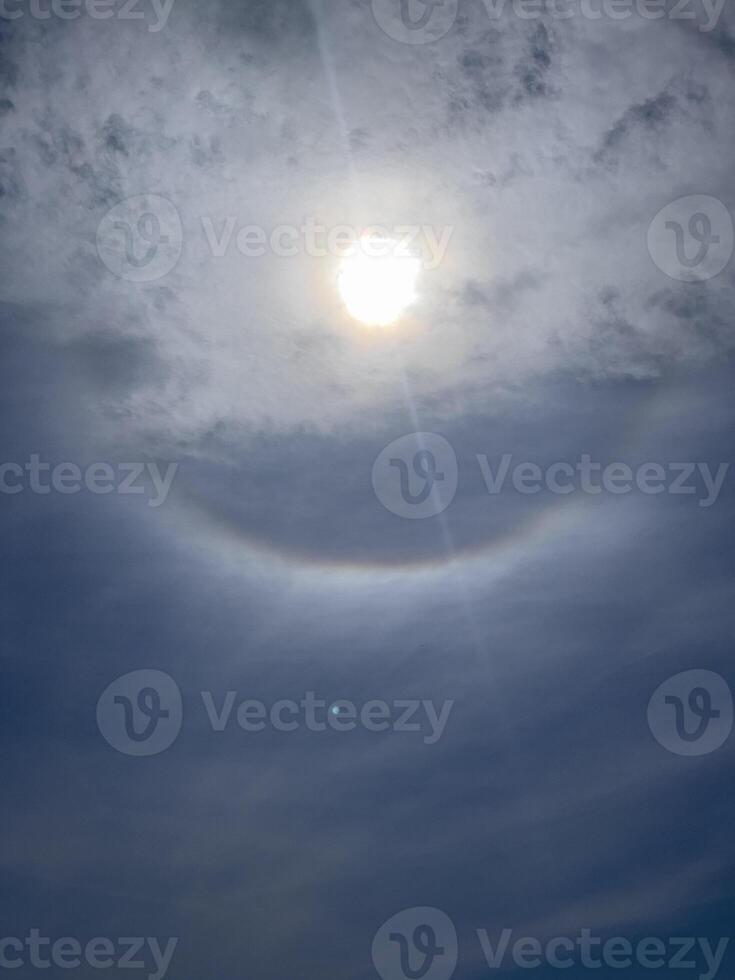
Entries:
{"x":509,"y":132}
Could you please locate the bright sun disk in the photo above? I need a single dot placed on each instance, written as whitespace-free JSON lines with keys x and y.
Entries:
{"x":377,"y":281}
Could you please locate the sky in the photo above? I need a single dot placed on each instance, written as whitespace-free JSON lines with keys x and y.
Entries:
{"x":504,"y":521}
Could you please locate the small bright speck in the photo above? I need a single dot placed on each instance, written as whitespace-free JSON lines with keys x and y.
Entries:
{"x":378,"y":281}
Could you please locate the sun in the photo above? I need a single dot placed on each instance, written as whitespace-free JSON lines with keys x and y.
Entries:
{"x":377,"y":280}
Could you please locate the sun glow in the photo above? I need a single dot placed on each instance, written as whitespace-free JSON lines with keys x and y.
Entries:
{"x":377,"y":281}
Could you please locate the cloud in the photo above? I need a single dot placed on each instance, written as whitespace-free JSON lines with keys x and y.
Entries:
{"x":503,"y":130}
